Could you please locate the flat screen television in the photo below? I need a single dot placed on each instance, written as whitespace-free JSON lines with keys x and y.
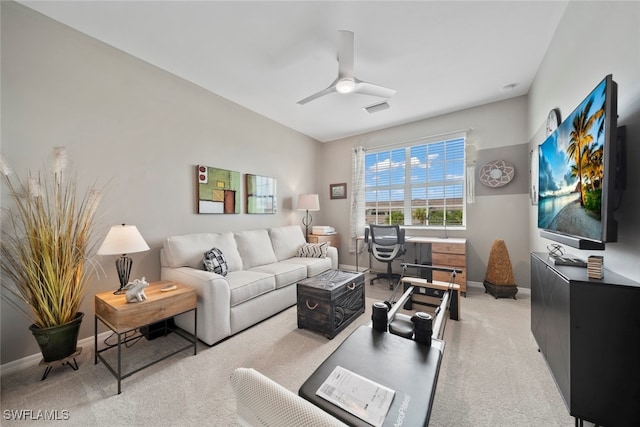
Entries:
{"x":577,"y":166}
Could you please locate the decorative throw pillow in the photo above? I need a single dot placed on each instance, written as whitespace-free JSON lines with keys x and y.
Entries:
{"x":215,"y":262}
{"x":313,"y":250}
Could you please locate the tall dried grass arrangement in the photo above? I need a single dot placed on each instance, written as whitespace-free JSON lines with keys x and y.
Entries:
{"x":46,"y":242}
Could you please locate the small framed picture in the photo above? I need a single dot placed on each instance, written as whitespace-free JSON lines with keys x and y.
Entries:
{"x":338,"y":191}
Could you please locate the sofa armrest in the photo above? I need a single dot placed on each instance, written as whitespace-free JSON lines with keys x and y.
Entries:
{"x":332,"y":253}
{"x":214,"y":296}
{"x":263,"y":402}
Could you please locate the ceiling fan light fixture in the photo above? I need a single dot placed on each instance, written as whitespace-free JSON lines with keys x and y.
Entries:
{"x":345,"y":85}
{"x":347,"y":82}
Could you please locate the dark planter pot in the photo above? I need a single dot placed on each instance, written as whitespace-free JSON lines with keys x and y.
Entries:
{"x":58,"y":342}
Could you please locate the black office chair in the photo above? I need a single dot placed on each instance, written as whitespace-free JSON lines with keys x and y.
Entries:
{"x":386,"y":243}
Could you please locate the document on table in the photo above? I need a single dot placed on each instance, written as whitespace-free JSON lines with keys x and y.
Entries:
{"x":358,"y":395}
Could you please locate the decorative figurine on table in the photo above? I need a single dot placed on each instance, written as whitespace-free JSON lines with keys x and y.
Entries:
{"x":135,"y":290}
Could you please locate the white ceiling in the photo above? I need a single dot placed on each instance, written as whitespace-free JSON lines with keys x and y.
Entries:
{"x":441,"y":56}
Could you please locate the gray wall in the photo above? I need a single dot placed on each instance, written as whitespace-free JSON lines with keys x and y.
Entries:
{"x":498,"y":131}
{"x":140,"y":131}
{"x":595,"y":39}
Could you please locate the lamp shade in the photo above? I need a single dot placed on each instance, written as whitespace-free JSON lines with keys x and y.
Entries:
{"x":308,"y":202}
{"x":123,"y":239}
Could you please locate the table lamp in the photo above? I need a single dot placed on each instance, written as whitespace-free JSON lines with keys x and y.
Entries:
{"x":308,"y":202}
{"x":122,"y":240}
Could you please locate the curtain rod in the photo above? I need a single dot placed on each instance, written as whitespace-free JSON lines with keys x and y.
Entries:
{"x":407,"y":141}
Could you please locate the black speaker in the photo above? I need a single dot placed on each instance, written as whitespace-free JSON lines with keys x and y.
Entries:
{"x":159,"y":329}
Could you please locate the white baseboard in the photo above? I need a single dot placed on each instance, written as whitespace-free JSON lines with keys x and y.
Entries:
{"x":472,"y":284}
{"x":34,"y":359}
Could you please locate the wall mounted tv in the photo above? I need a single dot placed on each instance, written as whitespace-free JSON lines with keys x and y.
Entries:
{"x":577,"y":173}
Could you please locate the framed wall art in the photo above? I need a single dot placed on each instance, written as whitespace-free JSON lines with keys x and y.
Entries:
{"x":218,"y":190}
{"x":261,"y":194}
{"x":338,"y":191}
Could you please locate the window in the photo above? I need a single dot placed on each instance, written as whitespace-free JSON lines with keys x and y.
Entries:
{"x":421,"y":185}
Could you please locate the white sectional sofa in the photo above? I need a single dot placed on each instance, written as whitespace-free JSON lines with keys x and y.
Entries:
{"x":263,"y":268}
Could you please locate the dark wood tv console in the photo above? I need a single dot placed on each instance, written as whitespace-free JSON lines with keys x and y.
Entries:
{"x":588,"y":331}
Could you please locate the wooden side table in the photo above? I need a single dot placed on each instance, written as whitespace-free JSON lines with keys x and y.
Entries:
{"x":122,"y":317}
{"x":333,"y":239}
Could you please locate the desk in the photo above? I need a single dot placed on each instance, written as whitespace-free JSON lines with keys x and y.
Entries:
{"x":409,"y":368}
{"x":450,"y":252}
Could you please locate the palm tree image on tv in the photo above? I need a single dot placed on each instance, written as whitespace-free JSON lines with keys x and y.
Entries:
{"x":585,"y":153}
{"x":571,"y":170}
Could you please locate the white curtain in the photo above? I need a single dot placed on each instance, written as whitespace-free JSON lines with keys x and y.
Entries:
{"x":470,"y":154}
{"x":357,"y":220}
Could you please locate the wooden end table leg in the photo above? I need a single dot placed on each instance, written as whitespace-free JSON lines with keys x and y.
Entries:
{"x":95,"y":340}
{"x":195,"y":331}
{"x":119,"y":362}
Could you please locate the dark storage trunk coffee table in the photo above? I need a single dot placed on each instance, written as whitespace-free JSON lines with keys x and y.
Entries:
{"x":330,"y":301}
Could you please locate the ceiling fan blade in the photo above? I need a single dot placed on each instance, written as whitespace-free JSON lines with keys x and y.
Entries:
{"x":323,"y":92}
{"x":345,"y":54}
{"x":346,"y":79}
{"x":366,"y":88}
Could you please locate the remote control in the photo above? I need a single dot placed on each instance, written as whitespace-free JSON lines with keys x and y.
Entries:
{"x":168,"y":288}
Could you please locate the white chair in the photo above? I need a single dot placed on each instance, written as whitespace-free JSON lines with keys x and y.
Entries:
{"x":263,"y":402}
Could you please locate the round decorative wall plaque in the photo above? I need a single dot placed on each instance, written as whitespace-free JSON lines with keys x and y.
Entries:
{"x":496,"y":173}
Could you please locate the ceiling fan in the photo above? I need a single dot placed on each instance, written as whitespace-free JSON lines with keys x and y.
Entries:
{"x":347,"y":81}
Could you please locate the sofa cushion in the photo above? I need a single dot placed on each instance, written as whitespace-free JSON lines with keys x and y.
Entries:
{"x":215,"y":262}
{"x":227,"y":244}
{"x":255,"y":248}
{"x":186,"y":250}
{"x":313,"y":250}
{"x":314,"y":266}
{"x":247,"y":284}
{"x":285,"y":273}
{"x":286,"y":241}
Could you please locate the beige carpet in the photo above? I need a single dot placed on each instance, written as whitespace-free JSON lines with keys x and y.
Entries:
{"x":492,"y":374}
